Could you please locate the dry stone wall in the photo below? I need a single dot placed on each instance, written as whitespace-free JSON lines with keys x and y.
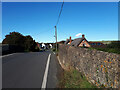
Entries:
{"x":100,"y":68}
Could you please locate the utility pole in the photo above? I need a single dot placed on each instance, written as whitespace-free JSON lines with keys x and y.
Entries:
{"x":56,"y":36}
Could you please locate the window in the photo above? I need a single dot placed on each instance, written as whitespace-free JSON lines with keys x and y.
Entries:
{"x":99,"y":44}
{"x":93,"y":43}
{"x":84,"y":45}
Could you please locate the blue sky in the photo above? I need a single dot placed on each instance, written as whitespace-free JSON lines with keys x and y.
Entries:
{"x":97,"y":20}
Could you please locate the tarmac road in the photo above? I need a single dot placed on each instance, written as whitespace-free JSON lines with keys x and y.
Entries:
{"x":27,"y":70}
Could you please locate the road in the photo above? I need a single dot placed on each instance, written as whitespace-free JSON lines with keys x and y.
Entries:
{"x":27,"y":70}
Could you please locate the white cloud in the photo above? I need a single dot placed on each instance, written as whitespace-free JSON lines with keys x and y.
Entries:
{"x":79,"y":34}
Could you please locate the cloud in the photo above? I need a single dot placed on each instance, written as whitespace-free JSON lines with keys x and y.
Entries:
{"x":77,"y":35}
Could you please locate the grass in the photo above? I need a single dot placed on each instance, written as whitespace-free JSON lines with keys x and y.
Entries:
{"x":112,"y":47}
{"x":110,"y":50}
{"x":74,"y":79}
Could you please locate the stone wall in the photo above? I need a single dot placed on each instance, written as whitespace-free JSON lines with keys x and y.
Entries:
{"x":100,"y":68}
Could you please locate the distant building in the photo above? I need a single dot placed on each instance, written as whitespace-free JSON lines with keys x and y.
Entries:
{"x":82,"y":42}
{"x":97,"y":44}
{"x":61,"y":42}
{"x":68,"y":41}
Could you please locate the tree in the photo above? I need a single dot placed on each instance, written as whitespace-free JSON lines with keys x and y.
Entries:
{"x":17,"y":39}
{"x":14,"y":38}
{"x":28,"y":42}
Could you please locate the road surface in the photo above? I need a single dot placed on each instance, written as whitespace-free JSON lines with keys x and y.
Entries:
{"x":27,"y":70}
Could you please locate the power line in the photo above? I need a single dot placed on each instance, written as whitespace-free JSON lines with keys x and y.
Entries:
{"x":57,"y":19}
{"x":45,"y":31}
{"x":60,"y":13}
{"x":57,"y":24}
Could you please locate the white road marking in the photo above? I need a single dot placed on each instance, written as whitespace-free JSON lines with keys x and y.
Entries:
{"x":54,"y":52}
{"x":45,"y":74}
{"x":7,"y":55}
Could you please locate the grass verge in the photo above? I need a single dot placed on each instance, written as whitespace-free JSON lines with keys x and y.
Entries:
{"x":74,"y":79}
{"x":110,"y":50}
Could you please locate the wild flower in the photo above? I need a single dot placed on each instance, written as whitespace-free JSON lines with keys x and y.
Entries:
{"x":101,"y":66}
{"x":105,"y":61}
{"x":110,"y":62}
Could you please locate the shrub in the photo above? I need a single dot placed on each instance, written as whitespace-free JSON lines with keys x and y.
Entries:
{"x":17,"y":39}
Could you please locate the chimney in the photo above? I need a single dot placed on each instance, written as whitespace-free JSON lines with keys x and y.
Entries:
{"x":70,"y":40}
{"x":83,"y":36}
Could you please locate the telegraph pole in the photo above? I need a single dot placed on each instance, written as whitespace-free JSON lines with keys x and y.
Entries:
{"x":56,"y":36}
{"x":56,"y":25}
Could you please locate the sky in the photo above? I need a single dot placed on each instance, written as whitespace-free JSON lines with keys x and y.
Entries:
{"x":96,"y":20}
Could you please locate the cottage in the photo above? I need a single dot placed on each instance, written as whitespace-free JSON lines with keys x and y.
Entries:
{"x":68,"y":41}
{"x":80,"y":42}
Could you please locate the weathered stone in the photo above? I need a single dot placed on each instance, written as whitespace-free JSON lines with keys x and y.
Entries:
{"x":96,"y":65}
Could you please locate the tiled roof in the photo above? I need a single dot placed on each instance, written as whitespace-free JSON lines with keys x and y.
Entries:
{"x":67,"y":41}
{"x":76,"y":42}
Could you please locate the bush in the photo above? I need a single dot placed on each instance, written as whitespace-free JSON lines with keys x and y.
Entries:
{"x":114,"y":47}
{"x":114,"y":44}
{"x":16,"y":39}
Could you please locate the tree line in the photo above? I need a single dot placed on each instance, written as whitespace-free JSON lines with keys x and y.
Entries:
{"x":21,"y":42}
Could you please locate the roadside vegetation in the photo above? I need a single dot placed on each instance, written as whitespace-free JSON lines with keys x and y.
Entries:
{"x":20,"y":43}
{"x":74,"y":79}
{"x":113,"y":47}
{"x":54,"y":49}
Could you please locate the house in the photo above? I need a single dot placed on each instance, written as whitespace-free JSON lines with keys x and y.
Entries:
{"x":97,"y":44}
{"x":80,"y":42}
{"x":38,"y":45}
{"x":68,"y":41}
{"x":61,"y":42}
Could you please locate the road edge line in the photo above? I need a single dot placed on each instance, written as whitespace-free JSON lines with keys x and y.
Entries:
{"x":45,"y":74}
{"x":7,"y":55}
